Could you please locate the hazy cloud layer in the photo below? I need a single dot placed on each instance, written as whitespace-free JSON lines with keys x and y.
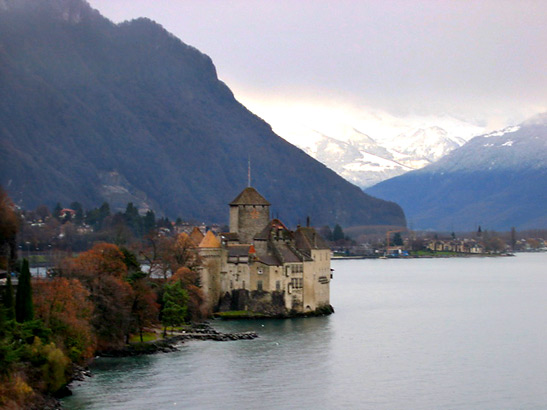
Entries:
{"x":483,"y":61}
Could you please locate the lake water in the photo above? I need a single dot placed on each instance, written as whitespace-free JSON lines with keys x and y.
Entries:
{"x":407,"y":334}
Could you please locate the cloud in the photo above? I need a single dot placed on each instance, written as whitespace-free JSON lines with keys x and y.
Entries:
{"x":482,"y":62}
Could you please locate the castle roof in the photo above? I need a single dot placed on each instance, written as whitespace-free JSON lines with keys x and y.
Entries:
{"x":210,"y":241}
{"x":196,"y":236}
{"x":230,"y":236}
{"x":183,"y":237}
{"x":274,"y":224}
{"x":239,"y":250}
{"x":249,"y":196}
{"x":307,"y":238}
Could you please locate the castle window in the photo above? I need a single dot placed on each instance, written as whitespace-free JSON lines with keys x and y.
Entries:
{"x":260,"y":271}
{"x":243,"y":285}
{"x":297,"y":268}
{"x":277,"y":285}
{"x":296,"y":283}
{"x":259,"y":285}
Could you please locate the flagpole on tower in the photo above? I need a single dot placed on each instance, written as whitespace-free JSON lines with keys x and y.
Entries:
{"x":249,"y":171}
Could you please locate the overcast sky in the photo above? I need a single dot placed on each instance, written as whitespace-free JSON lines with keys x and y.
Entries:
{"x":483,"y":62}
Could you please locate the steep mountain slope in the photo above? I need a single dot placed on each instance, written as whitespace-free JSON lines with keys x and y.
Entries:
{"x":498,"y":180}
{"x":93,"y":111}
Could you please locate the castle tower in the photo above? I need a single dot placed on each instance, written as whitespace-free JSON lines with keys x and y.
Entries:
{"x":211,"y":253}
{"x":249,"y":214}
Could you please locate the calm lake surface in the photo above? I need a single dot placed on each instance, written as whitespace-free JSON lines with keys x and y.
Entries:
{"x":407,"y":334}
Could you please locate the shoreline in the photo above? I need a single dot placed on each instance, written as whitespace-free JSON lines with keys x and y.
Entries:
{"x":202,"y":331}
{"x":428,"y":256}
{"x":199,"y":331}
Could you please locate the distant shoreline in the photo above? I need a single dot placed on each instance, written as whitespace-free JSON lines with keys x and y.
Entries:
{"x":432,"y":256}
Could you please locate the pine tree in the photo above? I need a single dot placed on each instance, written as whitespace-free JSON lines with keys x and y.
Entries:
{"x":57,"y":211}
{"x":79,"y":216}
{"x":8,"y":300}
{"x":397,"y":239}
{"x":338,"y":233}
{"x":133,"y":219}
{"x":24,"y":308}
{"x":175,"y":306}
{"x":149,"y":221}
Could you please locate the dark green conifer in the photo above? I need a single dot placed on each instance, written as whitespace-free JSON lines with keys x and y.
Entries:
{"x":24,"y":307}
{"x":338,"y":233}
{"x":8,"y":301}
{"x":149,"y":221}
{"x":79,"y":215}
{"x":57,"y":211}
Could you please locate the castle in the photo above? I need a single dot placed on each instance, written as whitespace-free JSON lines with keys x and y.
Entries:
{"x":263,"y":267}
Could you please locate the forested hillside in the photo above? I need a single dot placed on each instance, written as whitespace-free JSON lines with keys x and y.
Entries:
{"x":93,"y":111}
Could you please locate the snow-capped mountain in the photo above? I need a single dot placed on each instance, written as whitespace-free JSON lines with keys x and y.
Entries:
{"x":497,"y":180}
{"x":363,"y":144}
{"x":365,"y":161}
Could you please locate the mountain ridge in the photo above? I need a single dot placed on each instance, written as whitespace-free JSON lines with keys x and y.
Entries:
{"x":497,"y":180}
{"x":364,"y":161}
{"x":96,"y":110}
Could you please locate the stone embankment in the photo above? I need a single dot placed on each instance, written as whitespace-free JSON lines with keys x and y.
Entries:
{"x":200,"y":331}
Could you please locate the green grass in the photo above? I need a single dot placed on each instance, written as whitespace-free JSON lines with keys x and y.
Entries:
{"x":146,"y":337}
{"x":234,"y":314}
{"x":37,"y":259}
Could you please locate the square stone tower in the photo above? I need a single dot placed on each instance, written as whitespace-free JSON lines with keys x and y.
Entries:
{"x":249,"y":214}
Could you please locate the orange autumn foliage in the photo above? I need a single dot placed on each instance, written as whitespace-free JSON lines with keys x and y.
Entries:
{"x":102,"y":259}
{"x":64,"y":306}
{"x":103,"y":272}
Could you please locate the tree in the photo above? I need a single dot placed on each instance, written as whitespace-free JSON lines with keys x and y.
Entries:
{"x":131,"y":262}
{"x":97,"y":216}
{"x":64,"y":306}
{"x":513,"y":239}
{"x":337,"y":233}
{"x":79,"y":215}
{"x":190,"y":281}
{"x":145,"y":309}
{"x":8,"y":231}
{"x":42,"y":212}
{"x":57,"y":211}
{"x":175,"y":305}
{"x":112,"y":299}
{"x":133,"y":219}
{"x":165,"y":255}
{"x":494,"y":244}
{"x":397,"y":239}
{"x":103,"y":259}
{"x":149,"y":222}
{"x":24,"y":308}
{"x":326,"y":233}
{"x":7,"y":299}
{"x":103,"y":272}
{"x":184,"y":254}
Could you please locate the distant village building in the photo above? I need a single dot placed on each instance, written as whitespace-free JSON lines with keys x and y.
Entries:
{"x":67,"y":213}
{"x":261,"y":265}
{"x":456,"y":245}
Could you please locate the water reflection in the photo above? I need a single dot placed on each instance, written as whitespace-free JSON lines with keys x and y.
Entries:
{"x":420,"y":334}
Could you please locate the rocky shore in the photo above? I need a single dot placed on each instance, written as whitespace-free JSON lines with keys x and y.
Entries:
{"x":201,"y":331}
